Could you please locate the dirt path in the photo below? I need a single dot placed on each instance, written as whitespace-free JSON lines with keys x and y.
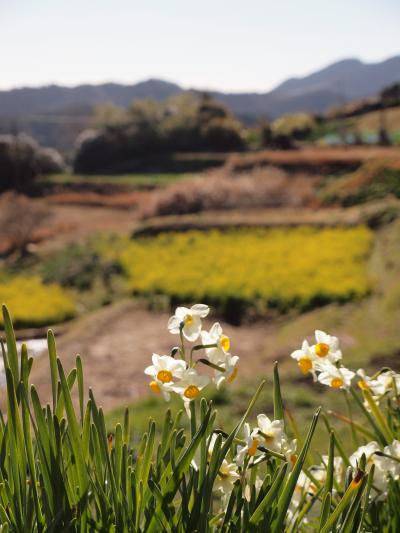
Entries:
{"x":116,"y":344}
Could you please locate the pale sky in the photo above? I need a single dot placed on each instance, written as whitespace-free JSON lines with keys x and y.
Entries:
{"x":231,"y":45}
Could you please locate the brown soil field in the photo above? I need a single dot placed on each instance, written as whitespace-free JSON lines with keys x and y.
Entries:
{"x":314,"y":159}
{"x":370,"y":214}
{"x":126,"y":200}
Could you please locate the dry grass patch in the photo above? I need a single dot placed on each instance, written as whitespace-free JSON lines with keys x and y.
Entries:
{"x":226,"y":190}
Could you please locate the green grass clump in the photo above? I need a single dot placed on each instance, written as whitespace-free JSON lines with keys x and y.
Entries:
{"x":35,"y":304}
{"x":386,"y":182}
{"x":263,"y":269}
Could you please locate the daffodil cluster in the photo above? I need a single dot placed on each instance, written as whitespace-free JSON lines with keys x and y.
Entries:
{"x":267,"y":437}
{"x":385,"y":383}
{"x":322,"y":361}
{"x":178,"y":372}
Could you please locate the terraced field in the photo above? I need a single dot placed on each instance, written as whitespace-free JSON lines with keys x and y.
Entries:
{"x":266,"y":269}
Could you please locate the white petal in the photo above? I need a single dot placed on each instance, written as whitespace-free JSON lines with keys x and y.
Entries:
{"x":216,"y":331}
{"x":297,"y":354}
{"x":305,"y":347}
{"x":215,"y":355}
{"x":200,"y":310}
{"x":150,"y":371}
{"x":321,"y":336}
{"x":155,"y":359}
{"x":218,"y":380}
{"x":234,"y":360}
{"x":181,"y":312}
{"x":192,"y":331}
{"x":263,"y":422}
{"x":173,"y":324}
{"x":166,"y":395}
{"x":334,"y":344}
{"x":206,"y":338}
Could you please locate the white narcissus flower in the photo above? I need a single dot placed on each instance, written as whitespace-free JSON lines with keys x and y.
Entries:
{"x":164,"y":370}
{"x":226,"y":477}
{"x":365,"y":383}
{"x":368,"y":450}
{"x":338,"y":467}
{"x":289,"y":451}
{"x":337,"y":378}
{"x":210,"y":449}
{"x":271,"y":432}
{"x":306,"y":359}
{"x":319,"y":472}
{"x":380,"y":481}
{"x":250,"y":446}
{"x":231,"y":369}
{"x":385,"y":382}
{"x":248,"y":488}
{"x":326,"y":347}
{"x":191,"y":320}
{"x":190,"y":385}
{"x":216,"y":336}
{"x":392,"y":465}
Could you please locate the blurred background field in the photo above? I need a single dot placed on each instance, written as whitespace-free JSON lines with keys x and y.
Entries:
{"x":278,"y":206}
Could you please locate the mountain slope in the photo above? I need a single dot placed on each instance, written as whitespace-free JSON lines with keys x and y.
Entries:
{"x":56,"y":98}
{"x":55,"y":115}
{"x":350,"y":77}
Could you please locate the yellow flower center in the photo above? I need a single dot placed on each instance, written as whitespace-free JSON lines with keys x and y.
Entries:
{"x":225,"y":343}
{"x":191,"y":392}
{"x":305,"y":364}
{"x":155,"y":387}
{"x":253,"y":448}
{"x":268,"y":437}
{"x":188,"y":320}
{"x":165,"y":376}
{"x":232,"y":377}
{"x":322,"y":349}
{"x":363,"y":385}
{"x":336,"y":383}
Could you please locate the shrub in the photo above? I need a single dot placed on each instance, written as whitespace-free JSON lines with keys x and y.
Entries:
{"x":79,"y":267}
{"x":224,"y":189}
{"x":22,"y":160}
{"x":50,"y":161}
{"x":183,"y":123}
{"x":18,"y":162}
{"x":20,"y":219}
{"x":296,"y":125}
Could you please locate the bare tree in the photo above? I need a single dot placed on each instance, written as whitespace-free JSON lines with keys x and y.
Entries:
{"x":20,"y":219}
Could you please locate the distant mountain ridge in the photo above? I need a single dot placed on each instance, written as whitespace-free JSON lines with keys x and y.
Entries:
{"x":345,"y":80}
{"x":55,"y":98}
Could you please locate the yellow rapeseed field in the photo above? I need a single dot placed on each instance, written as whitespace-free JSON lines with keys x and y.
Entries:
{"x":31,"y":303}
{"x":269,"y":268}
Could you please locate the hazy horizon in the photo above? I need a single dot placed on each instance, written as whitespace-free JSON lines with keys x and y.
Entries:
{"x":176,"y":82}
{"x":230,"y":47}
